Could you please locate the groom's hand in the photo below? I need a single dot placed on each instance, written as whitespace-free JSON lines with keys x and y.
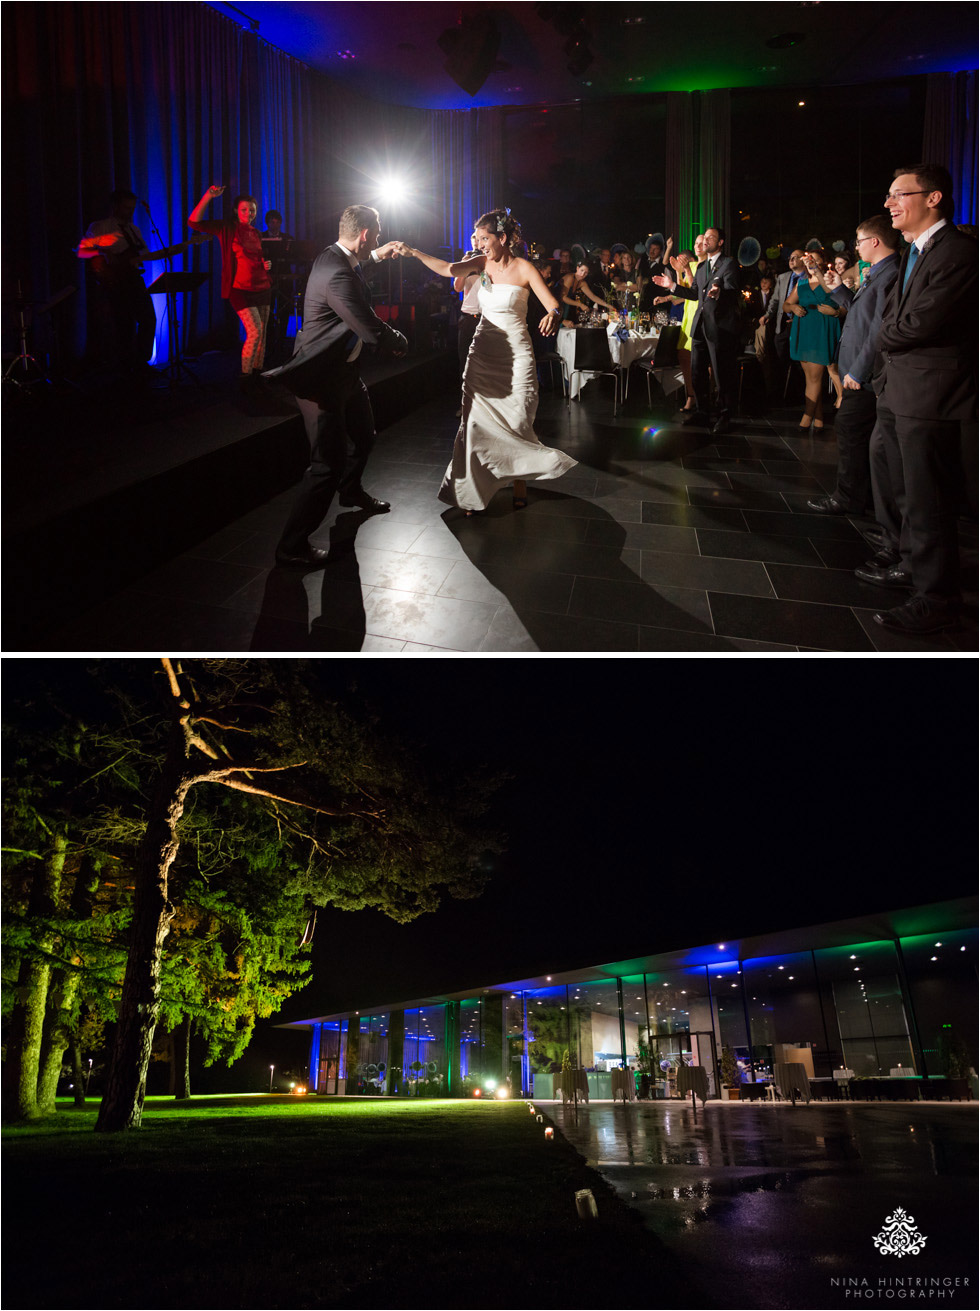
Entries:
{"x":389,"y":250}
{"x":399,"y":344}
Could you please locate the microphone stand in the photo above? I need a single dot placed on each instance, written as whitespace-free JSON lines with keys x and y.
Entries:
{"x":24,"y":361}
{"x":175,"y":366}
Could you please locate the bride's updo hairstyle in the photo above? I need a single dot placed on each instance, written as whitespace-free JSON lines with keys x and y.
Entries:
{"x":507,"y":229}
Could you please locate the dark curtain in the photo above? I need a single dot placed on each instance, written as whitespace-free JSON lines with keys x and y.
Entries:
{"x":715,"y":163}
{"x":950,"y":135}
{"x":165,"y":99}
{"x":681,"y":193}
{"x":699,"y":153}
{"x":467,"y":156}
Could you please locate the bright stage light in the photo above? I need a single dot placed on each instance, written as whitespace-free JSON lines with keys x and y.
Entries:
{"x":392,"y":190}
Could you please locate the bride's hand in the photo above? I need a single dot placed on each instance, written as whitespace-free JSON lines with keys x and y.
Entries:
{"x":400,"y":248}
{"x":548,"y":325}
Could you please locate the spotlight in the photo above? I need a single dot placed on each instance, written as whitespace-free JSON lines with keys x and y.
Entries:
{"x":392,"y":190}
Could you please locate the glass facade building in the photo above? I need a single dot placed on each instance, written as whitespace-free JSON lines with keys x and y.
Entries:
{"x":876,"y":997}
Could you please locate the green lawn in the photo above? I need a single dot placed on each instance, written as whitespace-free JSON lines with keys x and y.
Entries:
{"x":289,"y":1202}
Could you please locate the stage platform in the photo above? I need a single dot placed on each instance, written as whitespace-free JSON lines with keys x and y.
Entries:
{"x":102,"y":484}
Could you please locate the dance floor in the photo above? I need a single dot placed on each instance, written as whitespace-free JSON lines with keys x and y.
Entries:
{"x":661,"y":540}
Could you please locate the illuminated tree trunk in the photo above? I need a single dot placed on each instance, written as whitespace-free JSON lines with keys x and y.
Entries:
{"x":62,"y":997}
{"x":31,"y":995}
{"x":139,"y":1006}
{"x":77,"y":1073}
{"x":182,"y":1061}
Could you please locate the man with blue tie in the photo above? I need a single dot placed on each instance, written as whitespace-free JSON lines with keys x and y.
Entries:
{"x":877,"y":244}
{"x":715,"y":331}
{"x":926,"y":387}
{"x":323,"y":374}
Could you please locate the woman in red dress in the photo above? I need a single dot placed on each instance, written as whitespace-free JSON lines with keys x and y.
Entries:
{"x":245,"y":278}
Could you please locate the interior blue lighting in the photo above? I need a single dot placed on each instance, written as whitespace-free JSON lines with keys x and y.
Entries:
{"x":315,"y":1055}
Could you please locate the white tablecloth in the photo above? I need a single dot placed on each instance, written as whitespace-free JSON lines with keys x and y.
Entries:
{"x":623,"y":353}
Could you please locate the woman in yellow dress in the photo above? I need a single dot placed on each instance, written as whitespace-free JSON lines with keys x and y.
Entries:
{"x":685,"y":265}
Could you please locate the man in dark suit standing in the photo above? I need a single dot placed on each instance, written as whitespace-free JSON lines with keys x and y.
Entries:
{"x":323,"y":374}
{"x":877,"y":243}
{"x":926,"y":387}
{"x":715,"y":332}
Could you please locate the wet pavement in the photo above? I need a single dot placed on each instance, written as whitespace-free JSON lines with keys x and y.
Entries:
{"x":779,"y":1206}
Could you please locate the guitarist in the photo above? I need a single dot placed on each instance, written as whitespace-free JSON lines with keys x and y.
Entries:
{"x":116,"y":251}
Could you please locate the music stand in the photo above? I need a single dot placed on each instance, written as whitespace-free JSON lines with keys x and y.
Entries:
{"x":170,"y":285}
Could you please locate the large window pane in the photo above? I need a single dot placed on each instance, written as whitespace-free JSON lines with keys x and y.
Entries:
{"x":425,"y":1051}
{"x":371,"y":1075}
{"x":784,"y":1015}
{"x":941,"y":969}
{"x":329,"y":1056}
{"x":861,"y":991}
{"x":679,"y":1007}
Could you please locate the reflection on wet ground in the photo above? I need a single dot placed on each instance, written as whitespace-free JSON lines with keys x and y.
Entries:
{"x":778,"y":1206}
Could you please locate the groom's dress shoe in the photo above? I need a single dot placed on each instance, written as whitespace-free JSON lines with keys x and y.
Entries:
{"x":314,"y":557}
{"x":365,"y":502}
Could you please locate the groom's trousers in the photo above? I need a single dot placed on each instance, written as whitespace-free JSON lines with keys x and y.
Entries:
{"x":341,"y":433}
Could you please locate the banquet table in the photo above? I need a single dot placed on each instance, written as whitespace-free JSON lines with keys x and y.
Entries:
{"x":693,"y":1079}
{"x":792,"y":1079}
{"x":639,"y":346}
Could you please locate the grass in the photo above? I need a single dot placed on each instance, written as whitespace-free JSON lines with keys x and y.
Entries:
{"x":288,"y":1202}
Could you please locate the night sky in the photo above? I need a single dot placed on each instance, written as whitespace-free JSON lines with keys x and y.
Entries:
{"x":662,"y":804}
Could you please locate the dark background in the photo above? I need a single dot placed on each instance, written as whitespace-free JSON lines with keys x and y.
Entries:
{"x":656,"y":805}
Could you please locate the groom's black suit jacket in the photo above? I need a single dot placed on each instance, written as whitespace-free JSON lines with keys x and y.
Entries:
{"x":721,"y":317}
{"x":337,"y":311}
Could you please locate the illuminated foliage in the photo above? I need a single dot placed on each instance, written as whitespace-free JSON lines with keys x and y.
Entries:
{"x":234,"y":798}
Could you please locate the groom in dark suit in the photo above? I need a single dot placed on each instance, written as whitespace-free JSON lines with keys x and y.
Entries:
{"x":323,"y":374}
{"x":926,"y":387}
{"x":715,"y":332}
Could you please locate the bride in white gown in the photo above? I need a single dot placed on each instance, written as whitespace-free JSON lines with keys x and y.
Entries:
{"x":496,"y":444}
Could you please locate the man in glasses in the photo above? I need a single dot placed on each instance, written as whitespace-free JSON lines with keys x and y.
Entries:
{"x":926,"y":387}
{"x":877,"y":244}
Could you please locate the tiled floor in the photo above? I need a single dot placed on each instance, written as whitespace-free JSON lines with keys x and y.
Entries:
{"x":659,"y":541}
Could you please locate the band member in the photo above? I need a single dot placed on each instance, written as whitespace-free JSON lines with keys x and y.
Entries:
{"x":245,"y":280}
{"x":116,"y":252}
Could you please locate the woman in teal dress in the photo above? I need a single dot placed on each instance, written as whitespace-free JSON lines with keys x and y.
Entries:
{"x":813,"y":339}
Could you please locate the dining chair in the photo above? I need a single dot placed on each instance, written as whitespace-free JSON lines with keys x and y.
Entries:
{"x":592,"y":355}
{"x":664,"y":357}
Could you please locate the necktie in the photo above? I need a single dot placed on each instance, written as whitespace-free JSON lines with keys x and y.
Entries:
{"x":913,"y":256}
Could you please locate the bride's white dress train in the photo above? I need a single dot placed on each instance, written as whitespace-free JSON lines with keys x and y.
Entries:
{"x":496,"y":442}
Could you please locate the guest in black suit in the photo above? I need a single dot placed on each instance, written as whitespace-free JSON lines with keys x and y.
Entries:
{"x":878,"y":243}
{"x":338,"y":320}
{"x":926,"y":387}
{"x":716,"y":331}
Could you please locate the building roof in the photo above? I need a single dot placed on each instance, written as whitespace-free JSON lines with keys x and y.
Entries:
{"x":942,"y":916}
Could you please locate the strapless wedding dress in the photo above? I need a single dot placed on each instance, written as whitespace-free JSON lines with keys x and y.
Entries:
{"x":496,"y":442}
